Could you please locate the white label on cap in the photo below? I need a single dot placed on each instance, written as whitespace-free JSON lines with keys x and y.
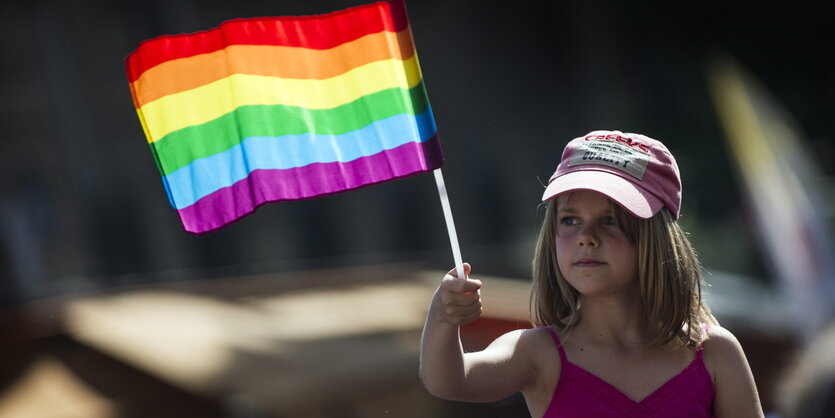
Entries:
{"x":613,"y":154}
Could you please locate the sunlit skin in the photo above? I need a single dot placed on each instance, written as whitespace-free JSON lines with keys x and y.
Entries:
{"x":593,"y":253}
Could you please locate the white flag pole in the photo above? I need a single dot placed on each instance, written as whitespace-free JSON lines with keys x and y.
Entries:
{"x":450,"y":224}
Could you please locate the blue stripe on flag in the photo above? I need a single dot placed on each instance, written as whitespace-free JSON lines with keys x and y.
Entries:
{"x":206,"y":175}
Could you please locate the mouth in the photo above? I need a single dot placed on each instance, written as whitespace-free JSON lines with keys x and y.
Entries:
{"x":588,"y":262}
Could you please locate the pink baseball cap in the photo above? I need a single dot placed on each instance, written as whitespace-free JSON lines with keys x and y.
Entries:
{"x":635,"y":171}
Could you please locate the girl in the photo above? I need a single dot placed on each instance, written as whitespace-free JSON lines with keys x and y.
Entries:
{"x":622,"y":330}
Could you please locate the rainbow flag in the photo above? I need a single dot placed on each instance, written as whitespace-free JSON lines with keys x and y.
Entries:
{"x":283,"y":108}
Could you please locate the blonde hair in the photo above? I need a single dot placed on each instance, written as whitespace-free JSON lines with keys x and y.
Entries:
{"x":668,"y":269}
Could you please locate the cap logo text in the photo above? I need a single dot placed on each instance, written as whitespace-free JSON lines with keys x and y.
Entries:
{"x":628,"y":158}
{"x":620,"y":139}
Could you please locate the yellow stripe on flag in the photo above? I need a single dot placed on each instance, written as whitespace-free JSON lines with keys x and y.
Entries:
{"x":208,"y":102}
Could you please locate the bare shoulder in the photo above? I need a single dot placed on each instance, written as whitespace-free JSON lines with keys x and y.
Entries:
{"x":542,"y":351}
{"x":531,"y":349}
{"x":544,"y":358}
{"x":513,"y":362}
{"x":525,"y":343}
{"x":540,"y":344}
{"x":736,"y":392}
{"x":523,"y":352}
{"x":721,"y":334}
{"x":719,"y":338}
{"x":722,"y":349}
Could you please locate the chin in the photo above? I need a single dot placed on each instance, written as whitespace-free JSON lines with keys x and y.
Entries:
{"x":590,"y":289}
{"x":596,"y":287}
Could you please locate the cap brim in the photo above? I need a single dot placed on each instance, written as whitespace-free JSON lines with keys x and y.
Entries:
{"x":623,"y":192}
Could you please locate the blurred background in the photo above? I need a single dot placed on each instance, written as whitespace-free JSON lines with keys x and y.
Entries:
{"x":313,"y":308}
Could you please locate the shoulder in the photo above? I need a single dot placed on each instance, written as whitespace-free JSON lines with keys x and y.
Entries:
{"x":736,"y":392}
{"x":530,"y":349}
{"x":525,"y":342}
{"x":722,"y":350}
{"x":720,"y":344}
{"x":720,"y":338}
{"x":539,"y":347}
{"x":539,"y":338}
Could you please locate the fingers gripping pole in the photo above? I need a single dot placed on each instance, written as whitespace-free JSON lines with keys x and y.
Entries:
{"x":450,"y":224}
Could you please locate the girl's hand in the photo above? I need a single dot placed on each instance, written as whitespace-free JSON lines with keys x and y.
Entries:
{"x":505,"y":367}
{"x":457,"y":301}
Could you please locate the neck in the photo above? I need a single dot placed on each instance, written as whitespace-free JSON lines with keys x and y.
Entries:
{"x":615,"y":320}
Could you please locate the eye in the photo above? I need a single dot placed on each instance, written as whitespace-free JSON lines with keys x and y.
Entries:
{"x":568,"y":220}
{"x":609,"y":220}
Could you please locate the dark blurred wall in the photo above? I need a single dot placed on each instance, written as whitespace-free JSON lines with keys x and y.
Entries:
{"x":82,"y":204}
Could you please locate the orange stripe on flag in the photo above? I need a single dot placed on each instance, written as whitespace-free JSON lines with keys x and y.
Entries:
{"x":269,"y":60}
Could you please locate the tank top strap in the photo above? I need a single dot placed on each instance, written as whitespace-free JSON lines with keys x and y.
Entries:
{"x":557,"y":343}
{"x":700,"y":352}
{"x":701,"y":346}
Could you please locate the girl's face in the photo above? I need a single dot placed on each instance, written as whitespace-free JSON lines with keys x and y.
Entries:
{"x":593,"y":253}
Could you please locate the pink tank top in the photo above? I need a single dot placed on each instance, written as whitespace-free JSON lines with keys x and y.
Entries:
{"x":582,"y":394}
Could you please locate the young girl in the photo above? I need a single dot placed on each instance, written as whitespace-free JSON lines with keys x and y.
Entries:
{"x":622,"y":330}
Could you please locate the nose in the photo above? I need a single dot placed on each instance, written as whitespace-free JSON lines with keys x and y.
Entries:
{"x":587,"y":237}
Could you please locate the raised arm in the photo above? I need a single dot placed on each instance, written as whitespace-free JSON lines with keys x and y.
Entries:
{"x":498,"y":371}
{"x":736,"y":392}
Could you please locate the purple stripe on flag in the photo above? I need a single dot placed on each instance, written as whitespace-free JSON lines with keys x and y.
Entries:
{"x":228,"y":204}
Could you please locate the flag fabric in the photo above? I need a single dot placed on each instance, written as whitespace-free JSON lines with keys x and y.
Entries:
{"x":779,"y":173}
{"x":262,"y":110}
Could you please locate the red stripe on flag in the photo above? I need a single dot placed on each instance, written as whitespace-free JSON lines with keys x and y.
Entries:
{"x":317,"y":32}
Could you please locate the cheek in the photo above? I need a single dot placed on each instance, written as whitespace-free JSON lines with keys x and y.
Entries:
{"x":616,"y":235}
{"x":563,"y":252}
{"x":629,"y":261}
{"x":633,"y":252}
